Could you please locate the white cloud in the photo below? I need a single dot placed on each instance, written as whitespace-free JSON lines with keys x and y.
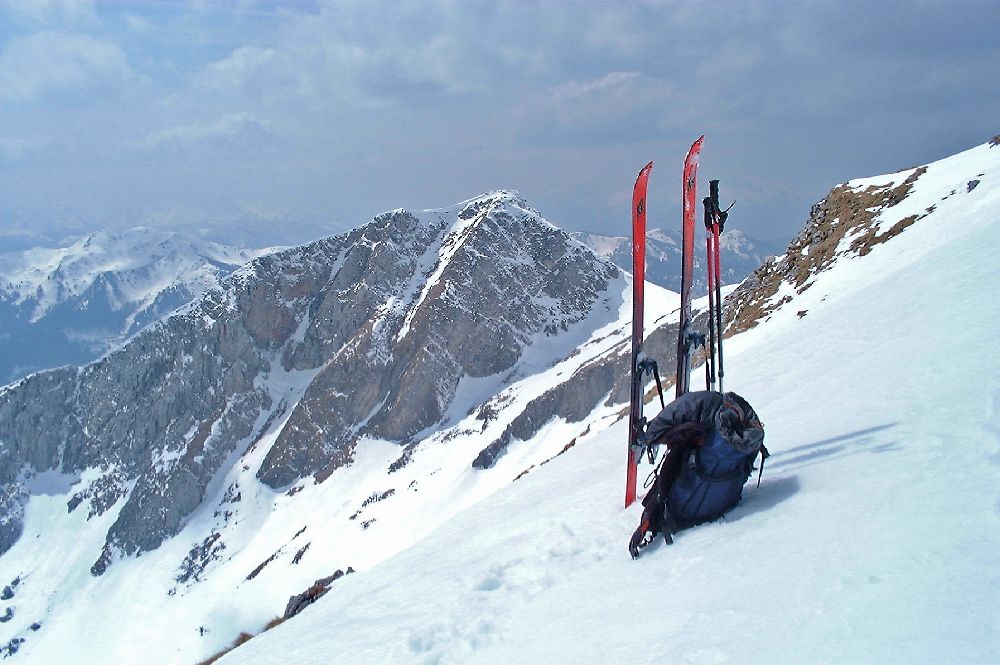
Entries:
{"x":13,"y":149}
{"x":54,"y":12}
{"x":137,"y":24}
{"x":231,"y":129}
{"x":250,"y":67}
{"x":46,"y":63}
{"x":618,"y":106}
{"x":239,"y":65}
{"x":614,"y":83}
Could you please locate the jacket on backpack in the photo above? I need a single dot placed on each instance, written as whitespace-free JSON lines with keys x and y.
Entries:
{"x":712,"y":440}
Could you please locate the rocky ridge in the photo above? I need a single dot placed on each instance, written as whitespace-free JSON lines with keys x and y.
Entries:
{"x":853,"y":219}
{"x":361,"y":336}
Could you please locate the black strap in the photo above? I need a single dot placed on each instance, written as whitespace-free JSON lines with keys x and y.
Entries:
{"x":649,"y":365}
{"x":764,"y":454}
{"x":651,"y":478}
{"x":659,"y":386}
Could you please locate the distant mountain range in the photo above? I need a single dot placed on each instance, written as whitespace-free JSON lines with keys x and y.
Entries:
{"x":252,"y":230}
{"x":68,"y":305}
{"x":740,"y":255}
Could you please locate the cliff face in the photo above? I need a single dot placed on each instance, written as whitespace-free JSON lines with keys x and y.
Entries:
{"x":361,"y":336}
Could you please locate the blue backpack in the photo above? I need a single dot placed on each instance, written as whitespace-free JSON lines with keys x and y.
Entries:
{"x":711,"y":481}
{"x":712,"y":441}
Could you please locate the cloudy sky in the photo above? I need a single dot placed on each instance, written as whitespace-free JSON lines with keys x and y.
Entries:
{"x":160,"y":112}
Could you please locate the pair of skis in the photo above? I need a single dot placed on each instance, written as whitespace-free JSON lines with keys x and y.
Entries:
{"x":687,"y":338}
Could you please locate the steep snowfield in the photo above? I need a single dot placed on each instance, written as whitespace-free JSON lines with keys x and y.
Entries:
{"x":873,"y":538}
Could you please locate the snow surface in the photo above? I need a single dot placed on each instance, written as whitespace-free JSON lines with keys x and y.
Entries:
{"x":874,"y":537}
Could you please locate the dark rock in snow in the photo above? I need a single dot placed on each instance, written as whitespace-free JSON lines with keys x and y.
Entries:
{"x":12,"y":646}
{"x":303,"y":600}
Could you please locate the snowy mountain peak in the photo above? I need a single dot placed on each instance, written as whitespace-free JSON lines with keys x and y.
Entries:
{"x":500,"y":199}
{"x":662,"y":236}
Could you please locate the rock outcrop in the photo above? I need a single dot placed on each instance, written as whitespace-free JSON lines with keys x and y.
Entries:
{"x":365,"y":335}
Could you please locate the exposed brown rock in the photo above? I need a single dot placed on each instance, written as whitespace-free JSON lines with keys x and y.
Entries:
{"x":844,"y":213}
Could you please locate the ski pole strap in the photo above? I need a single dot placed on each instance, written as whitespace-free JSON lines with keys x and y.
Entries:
{"x":764,"y":454}
{"x":723,"y":216}
{"x":659,"y":386}
{"x":647,"y":365}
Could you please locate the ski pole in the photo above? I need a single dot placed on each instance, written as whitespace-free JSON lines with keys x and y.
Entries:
{"x":715,"y":220}
{"x":710,"y":365}
{"x":719,"y":218}
{"x":718,"y":300}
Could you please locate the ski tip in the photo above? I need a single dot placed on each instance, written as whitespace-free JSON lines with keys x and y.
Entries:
{"x":646,"y":169}
{"x":693,"y":153}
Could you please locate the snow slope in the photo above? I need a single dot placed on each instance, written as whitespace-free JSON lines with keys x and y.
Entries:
{"x":873,"y":538}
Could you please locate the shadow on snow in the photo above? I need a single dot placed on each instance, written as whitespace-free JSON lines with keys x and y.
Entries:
{"x":774,"y":490}
{"x":837,"y":446}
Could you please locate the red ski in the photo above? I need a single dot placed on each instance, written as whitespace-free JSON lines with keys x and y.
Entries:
{"x":686,"y":339}
{"x":635,"y":422}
